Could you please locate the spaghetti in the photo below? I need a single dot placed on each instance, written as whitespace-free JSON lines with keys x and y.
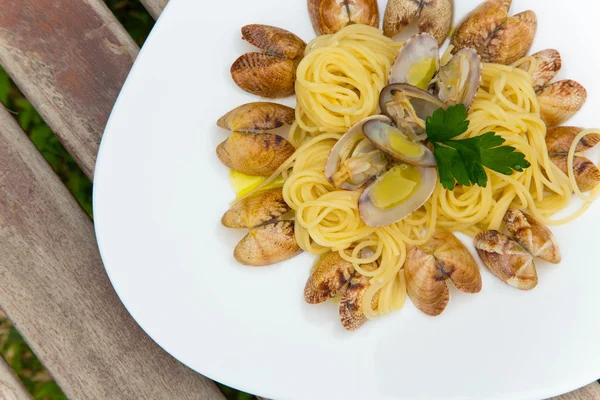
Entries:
{"x":327,"y":219}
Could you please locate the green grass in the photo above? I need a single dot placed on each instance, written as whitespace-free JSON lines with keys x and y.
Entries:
{"x":12,"y":346}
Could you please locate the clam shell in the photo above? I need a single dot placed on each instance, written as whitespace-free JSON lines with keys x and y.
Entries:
{"x":586,"y":173}
{"x":560,"y":100}
{"x":352,"y":316}
{"x":264,"y":74}
{"x":257,"y":117}
{"x":455,"y":261}
{"x":470,"y":83}
{"x":414,"y":50}
{"x":534,"y":236}
{"x":338,"y":153}
{"x":480,"y":24}
{"x":506,"y":259}
{"x":254,"y":153}
{"x":435,"y":17}
{"x":376,"y":132}
{"x":374,"y":216}
{"x":267,"y":244}
{"x":329,"y":16}
{"x":423,"y":103}
{"x":254,"y":210}
{"x":512,"y":40}
{"x":548,"y":64}
{"x":425,"y":283}
{"x":274,"y":40}
{"x":560,"y":138}
{"x":328,"y":277}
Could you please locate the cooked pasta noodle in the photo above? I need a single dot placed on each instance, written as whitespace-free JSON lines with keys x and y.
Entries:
{"x":339,"y":80}
{"x":327,"y":219}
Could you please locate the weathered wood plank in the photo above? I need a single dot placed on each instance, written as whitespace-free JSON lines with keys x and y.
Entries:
{"x":55,"y":290}
{"x":11,"y":388}
{"x":154,"y":7}
{"x":70,"y":58}
{"x":589,"y":392}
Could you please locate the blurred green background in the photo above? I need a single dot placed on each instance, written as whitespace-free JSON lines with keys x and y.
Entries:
{"x":36,"y":378}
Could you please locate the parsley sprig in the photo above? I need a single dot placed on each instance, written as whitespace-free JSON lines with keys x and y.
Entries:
{"x":462,"y":160}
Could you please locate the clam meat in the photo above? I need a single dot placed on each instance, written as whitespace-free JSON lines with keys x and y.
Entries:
{"x":459,"y":80}
{"x":417,"y":62}
{"x":398,"y":145}
{"x":396,"y":194}
{"x":409,"y":107}
{"x":354,"y":160}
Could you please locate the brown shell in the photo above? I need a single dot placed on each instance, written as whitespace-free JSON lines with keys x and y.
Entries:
{"x":254,"y":153}
{"x":329,"y":16}
{"x":425,"y":282}
{"x":251,"y":211}
{"x":268,"y":244}
{"x":257,"y":117}
{"x":506,"y":259}
{"x":511,"y":41}
{"x":560,"y":100}
{"x":436,"y":19}
{"x":455,"y":261}
{"x":480,"y":24}
{"x":352,"y":316}
{"x":398,"y":15}
{"x":548,"y":64}
{"x":328,"y":277}
{"x":560,"y":138}
{"x":274,"y":40}
{"x":264,"y":74}
{"x":534,"y":236}
{"x":586,"y":173}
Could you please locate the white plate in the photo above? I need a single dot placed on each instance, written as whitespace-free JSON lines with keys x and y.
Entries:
{"x":160,"y":192}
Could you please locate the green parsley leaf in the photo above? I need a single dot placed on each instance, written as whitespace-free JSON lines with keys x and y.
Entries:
{"x":463,"y":160}
{"x":444,"y":125}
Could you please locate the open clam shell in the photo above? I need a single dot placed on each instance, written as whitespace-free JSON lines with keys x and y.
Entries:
{"x":353,"y":160}
{"x":459,"y":80}
{"x":417,"y":62}
{"x":396,"y":194}
{"x":409,"y":107}
{"x":398,"y":145}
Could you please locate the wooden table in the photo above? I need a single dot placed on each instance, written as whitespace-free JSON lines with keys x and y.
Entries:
{"x":70,"y":58}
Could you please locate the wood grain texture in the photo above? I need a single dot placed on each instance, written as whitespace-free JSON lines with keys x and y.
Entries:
{"x":56,"y":292}
{"x":70,"y":58}
{"x":589,"y":392}
{"x":11,"y":387}
{"x":154,"y":7}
